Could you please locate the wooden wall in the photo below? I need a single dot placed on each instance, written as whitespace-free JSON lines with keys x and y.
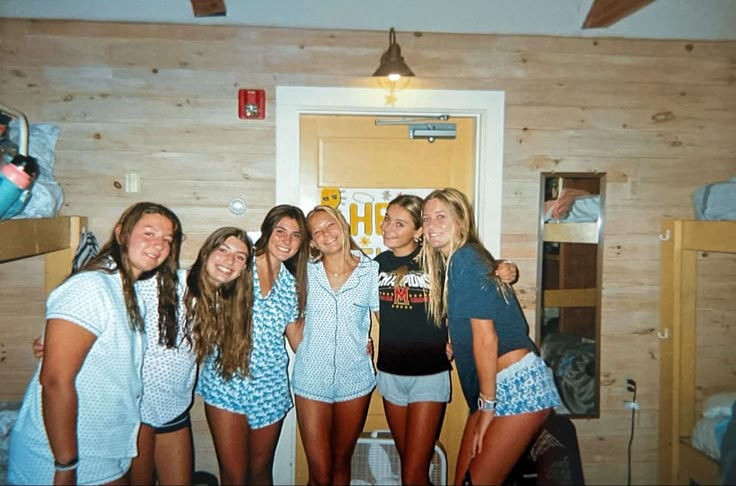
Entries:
{"x":656,"y":116}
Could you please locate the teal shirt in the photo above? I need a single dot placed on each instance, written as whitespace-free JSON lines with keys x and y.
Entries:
{"x":471,"y":293}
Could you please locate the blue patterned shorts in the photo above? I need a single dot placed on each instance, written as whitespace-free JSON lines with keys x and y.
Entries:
{"x":262,"y":400}
{"x":525,"y":386}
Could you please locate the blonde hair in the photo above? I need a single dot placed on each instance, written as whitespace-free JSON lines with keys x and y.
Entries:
{"x":348,"y":243}
{"x":464,"y":234}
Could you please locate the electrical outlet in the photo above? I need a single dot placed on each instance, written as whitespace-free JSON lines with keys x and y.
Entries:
{"x":631,"y":387}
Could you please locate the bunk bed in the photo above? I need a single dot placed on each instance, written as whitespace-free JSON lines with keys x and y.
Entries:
{"x":683,"y":242}
{"x":56,"y":239}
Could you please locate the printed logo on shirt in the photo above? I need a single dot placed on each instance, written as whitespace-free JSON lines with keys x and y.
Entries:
{"x":403,"y":291}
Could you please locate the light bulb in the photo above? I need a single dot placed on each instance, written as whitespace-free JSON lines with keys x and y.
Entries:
{"x":394,"y":77}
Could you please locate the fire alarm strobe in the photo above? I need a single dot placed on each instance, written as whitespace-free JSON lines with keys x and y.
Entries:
{"x":252,"y":104}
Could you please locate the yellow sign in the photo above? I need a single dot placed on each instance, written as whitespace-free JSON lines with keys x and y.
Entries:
{"x":364,"y":210}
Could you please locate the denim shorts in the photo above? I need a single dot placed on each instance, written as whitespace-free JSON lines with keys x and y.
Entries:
{"x":525,"y":386}
{"x":402,"y":390}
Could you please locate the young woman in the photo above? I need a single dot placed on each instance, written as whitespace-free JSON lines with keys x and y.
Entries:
{"x":165,"y":453}
{"x":413,"y":358}
{"x":509,"y":389}
{"x":333,"y":375}
{"x":244,"y":381}
{"x":217,"y":289}
{"x":81,"y":413}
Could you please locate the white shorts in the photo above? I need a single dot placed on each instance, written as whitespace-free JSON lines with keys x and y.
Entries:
{"x":402,"y":389}
{"x":26,"y":466}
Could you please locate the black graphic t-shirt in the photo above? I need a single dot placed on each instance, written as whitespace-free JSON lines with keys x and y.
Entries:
{"x":410,"y":343}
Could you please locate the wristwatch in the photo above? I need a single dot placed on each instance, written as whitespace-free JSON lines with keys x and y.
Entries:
{"x":486,"y":405}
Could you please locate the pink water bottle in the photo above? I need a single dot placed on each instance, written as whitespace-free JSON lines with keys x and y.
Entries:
{"x":16,"y":179}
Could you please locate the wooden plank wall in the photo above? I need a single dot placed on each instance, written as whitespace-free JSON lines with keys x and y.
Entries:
{"x":656,"y":116}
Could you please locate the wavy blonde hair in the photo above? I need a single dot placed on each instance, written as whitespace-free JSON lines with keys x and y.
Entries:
{"x":221,"y":317}
{"x":348,"y":243}
{"x":464,"y":234}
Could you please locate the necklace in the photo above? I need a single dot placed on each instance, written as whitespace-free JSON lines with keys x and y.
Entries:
{"x":334,"y":274}
{"x":346,"y":269}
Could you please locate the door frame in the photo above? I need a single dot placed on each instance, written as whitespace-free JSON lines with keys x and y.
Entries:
{"x":487,"y":107}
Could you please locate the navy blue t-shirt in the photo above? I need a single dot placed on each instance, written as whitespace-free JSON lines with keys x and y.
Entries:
{"x":471,"y":293}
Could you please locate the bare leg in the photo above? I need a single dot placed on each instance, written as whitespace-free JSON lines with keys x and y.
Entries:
{"x":396,"y":418}
{"x":121,"y":481}
{"x":230,"y":436}
{"x":261,"y":450}
{"x":174,"y":457}
{"x":315,"y":425}
{"x":142,"y":467}
{"x":348,"y":420}
{"x":504,"y":443}
{"x":422,"y":429}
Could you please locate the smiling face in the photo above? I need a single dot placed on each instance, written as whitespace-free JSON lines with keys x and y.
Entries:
{"x":149,"y":243}
{"x":327,"y":235}
{"x":226,"y":262}
{"x":439,"y":225}
{"x":399,"y":232}
{"x":285,"y":239}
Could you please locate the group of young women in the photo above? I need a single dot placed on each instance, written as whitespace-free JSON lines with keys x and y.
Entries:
{"x":105,"y":408}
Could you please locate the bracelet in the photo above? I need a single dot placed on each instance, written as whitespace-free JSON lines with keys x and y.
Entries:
{"x":69,"y":466}
{"x":484,"y":397}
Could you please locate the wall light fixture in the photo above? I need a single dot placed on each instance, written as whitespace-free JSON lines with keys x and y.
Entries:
{"x":392,"y":69}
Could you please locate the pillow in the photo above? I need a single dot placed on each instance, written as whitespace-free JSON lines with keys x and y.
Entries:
{"x":719,"y":405}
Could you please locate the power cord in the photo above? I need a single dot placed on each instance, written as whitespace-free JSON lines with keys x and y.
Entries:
{"x":634,"y":405}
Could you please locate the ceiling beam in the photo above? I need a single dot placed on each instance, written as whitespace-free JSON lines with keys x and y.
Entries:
{"x":604,"y":13}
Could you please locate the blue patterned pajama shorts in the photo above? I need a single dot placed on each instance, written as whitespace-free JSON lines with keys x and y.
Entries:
{"x":264,"y":401}
{"x":525,"y":386}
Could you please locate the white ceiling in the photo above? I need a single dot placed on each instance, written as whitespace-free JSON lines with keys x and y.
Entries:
{"x":663,"y":19}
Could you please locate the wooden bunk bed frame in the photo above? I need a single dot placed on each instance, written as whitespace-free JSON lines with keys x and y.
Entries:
{"x":679,"y":461}
{"x":54,"y":238}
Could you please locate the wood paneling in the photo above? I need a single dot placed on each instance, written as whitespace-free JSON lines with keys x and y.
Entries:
{"x":656,"y":116}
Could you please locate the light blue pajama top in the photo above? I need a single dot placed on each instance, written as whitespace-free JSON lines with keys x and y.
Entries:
{"x":331,"y":363}
{"x":108,"y":384}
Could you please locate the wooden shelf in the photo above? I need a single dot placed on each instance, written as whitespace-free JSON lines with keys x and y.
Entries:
{"x":571,"y":232}
{"x":55,"y":238}
{"x":571,"y":298}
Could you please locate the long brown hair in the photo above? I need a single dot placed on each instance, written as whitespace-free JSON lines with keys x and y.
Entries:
{"x":113,"y":256}
{"x":296,"y":265}
{"x":221,"y":317}
{"x":465,"y":234}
